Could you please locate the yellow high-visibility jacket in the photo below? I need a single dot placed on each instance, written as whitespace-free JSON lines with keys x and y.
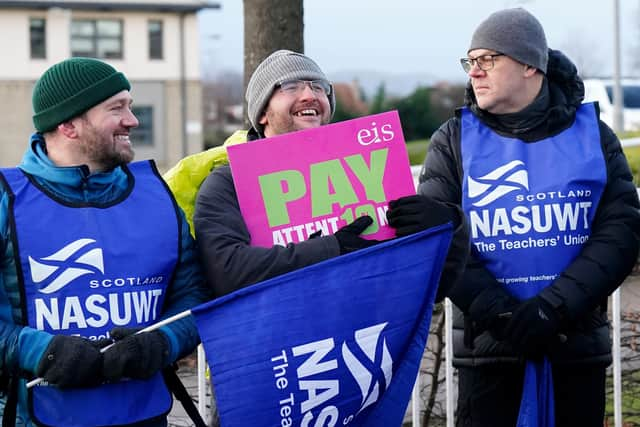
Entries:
{"x":186,"y":177}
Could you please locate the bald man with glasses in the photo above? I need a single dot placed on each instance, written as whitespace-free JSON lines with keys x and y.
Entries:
{"x":521,"y":158}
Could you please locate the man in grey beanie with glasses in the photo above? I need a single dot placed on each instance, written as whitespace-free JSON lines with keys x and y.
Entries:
{"x":287,"y":92}
{"x":277,"y":97}
{"x":554,"y":222}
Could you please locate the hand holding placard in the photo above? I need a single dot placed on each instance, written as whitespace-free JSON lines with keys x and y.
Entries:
{"x":349,"y":236}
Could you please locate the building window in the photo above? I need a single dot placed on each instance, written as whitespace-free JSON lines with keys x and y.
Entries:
{"x":155,"y":39}
{"x":99,"y":38}
{"x":37,"y":38}
{"x":143,"y":134}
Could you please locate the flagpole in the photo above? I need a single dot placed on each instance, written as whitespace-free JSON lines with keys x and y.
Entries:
{"x":147,"y":329}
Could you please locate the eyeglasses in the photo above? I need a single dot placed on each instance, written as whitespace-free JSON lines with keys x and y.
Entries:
{"x":293,"y":87}
{"x":485,"y":62}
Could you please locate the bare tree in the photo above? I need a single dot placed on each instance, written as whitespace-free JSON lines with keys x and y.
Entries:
{"x":270,"y":25}
{"x":221,"y":97}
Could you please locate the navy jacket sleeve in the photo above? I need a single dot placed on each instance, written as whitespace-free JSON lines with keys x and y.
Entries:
{"x":229,"y":261}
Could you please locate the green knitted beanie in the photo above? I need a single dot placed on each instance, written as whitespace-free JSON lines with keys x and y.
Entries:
{"x":71,"y":87}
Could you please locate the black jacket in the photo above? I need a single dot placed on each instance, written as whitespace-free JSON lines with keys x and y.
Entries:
{"x":580,"y":292}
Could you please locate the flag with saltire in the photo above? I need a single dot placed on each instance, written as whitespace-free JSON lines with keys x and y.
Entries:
{"x":333,"y":344}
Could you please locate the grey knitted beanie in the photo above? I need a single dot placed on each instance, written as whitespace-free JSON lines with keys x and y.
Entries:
{"x":516,"y":33}
{"x":281,"y":65}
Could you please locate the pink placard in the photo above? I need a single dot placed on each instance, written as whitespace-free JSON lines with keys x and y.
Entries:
{"x":290,"y":186}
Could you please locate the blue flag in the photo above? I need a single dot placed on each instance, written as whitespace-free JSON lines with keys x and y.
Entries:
{"x":537,"y":405}
{"x":333,"y":344}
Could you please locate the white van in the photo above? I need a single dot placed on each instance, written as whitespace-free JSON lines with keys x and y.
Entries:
{"x":601,"y":90}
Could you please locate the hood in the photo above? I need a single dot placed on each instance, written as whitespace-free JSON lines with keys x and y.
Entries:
{"x":72,"y":183}
{"x":551,"y":112}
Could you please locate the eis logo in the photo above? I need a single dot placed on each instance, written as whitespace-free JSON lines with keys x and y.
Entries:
{"x":335,"y":383}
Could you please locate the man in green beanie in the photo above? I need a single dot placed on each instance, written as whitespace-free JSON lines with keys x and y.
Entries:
{"x":94,"y":249}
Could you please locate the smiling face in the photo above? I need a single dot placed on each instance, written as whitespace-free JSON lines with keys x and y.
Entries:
{"x":103,"y":132}
{"x":288,"y":112}
{"x":508,"y":87}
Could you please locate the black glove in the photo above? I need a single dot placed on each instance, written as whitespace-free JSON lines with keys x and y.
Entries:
{"x":534,"y":324}
{"x":411,"y":214}
{"x":137,"y":356}
{"x":491,"y":310}
{"x":315,"y":235}
{"x":70,"y":361}
{"x":349,"y":236}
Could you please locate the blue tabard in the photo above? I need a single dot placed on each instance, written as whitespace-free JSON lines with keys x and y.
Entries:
{"x":530,"y":205}
{"x":530,"y":208}
{"x":86,"y":268}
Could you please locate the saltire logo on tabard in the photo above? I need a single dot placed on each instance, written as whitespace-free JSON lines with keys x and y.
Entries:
{"x":336,"y":343}
{"x":76,"y":259}
{"x":503,"y":180}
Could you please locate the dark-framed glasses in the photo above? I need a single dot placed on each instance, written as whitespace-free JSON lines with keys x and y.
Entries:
{"x":485,"y":62}
{"x":294,"y":87}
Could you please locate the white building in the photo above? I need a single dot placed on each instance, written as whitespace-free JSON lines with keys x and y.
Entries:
{"x":155,"y":44}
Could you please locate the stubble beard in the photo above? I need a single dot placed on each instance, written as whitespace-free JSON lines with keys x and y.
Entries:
{"x":285,"y":123}
{"x":103,"y":151}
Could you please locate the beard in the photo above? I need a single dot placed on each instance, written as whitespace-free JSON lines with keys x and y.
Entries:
{"x":104,"y":151}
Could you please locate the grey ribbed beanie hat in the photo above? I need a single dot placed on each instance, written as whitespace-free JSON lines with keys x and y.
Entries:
{"x":281,"y":65}
{"x":516,"y":33}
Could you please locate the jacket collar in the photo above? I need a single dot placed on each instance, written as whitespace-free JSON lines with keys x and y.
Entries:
{"x":75,"y":183}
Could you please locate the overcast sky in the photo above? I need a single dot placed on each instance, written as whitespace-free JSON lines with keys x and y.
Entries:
{"x":426,"y":37}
